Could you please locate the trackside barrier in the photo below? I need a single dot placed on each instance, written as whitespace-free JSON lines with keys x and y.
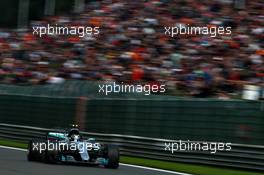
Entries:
{"x":240,"y":156}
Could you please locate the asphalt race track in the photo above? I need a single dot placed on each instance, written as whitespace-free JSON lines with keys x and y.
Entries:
{"x":14,"y":162}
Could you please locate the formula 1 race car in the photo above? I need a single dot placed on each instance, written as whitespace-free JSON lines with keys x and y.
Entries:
{"x":68,"y":146}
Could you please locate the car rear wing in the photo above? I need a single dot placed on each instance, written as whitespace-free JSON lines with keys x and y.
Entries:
{"x":56,"y":136}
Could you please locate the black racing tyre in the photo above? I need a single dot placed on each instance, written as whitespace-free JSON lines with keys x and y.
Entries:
{"x":33,"y":150}
{"x":112,"y":154}
{"x":31,"y":156}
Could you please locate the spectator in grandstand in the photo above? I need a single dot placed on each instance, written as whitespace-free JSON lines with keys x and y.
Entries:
{"x":132,"y":47}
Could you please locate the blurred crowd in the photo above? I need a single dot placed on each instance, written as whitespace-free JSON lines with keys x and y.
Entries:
{"x":132,"y":47}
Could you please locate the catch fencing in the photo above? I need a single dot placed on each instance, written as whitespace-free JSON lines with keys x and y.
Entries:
{"x":141,"y":125}
{"x":240,"y":156}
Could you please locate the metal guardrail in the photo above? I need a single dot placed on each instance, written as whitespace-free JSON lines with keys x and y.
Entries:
{"x":240,"y":156}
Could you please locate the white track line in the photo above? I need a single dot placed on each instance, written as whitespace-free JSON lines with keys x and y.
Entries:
{"x":13,"y":148}
{"x":123,"y":164}
{"x":153,"y":169}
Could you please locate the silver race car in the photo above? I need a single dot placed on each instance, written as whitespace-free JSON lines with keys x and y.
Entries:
{"x":68,"y":146}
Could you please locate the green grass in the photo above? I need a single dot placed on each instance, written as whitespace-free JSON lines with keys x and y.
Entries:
{"x":13,"y":144}
{"x":187,"y":168}
{"x":173,"y":166}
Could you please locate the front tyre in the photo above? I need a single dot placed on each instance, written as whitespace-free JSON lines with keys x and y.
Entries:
{"x":112,"y":156}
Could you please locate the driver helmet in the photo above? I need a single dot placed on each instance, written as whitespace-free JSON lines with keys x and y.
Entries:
{"x":74,"y":134}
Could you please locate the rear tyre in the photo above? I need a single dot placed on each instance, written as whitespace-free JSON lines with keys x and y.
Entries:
{"x":30,"y":155}
{"x":112,"y":155}
{"x":34,"y":150}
